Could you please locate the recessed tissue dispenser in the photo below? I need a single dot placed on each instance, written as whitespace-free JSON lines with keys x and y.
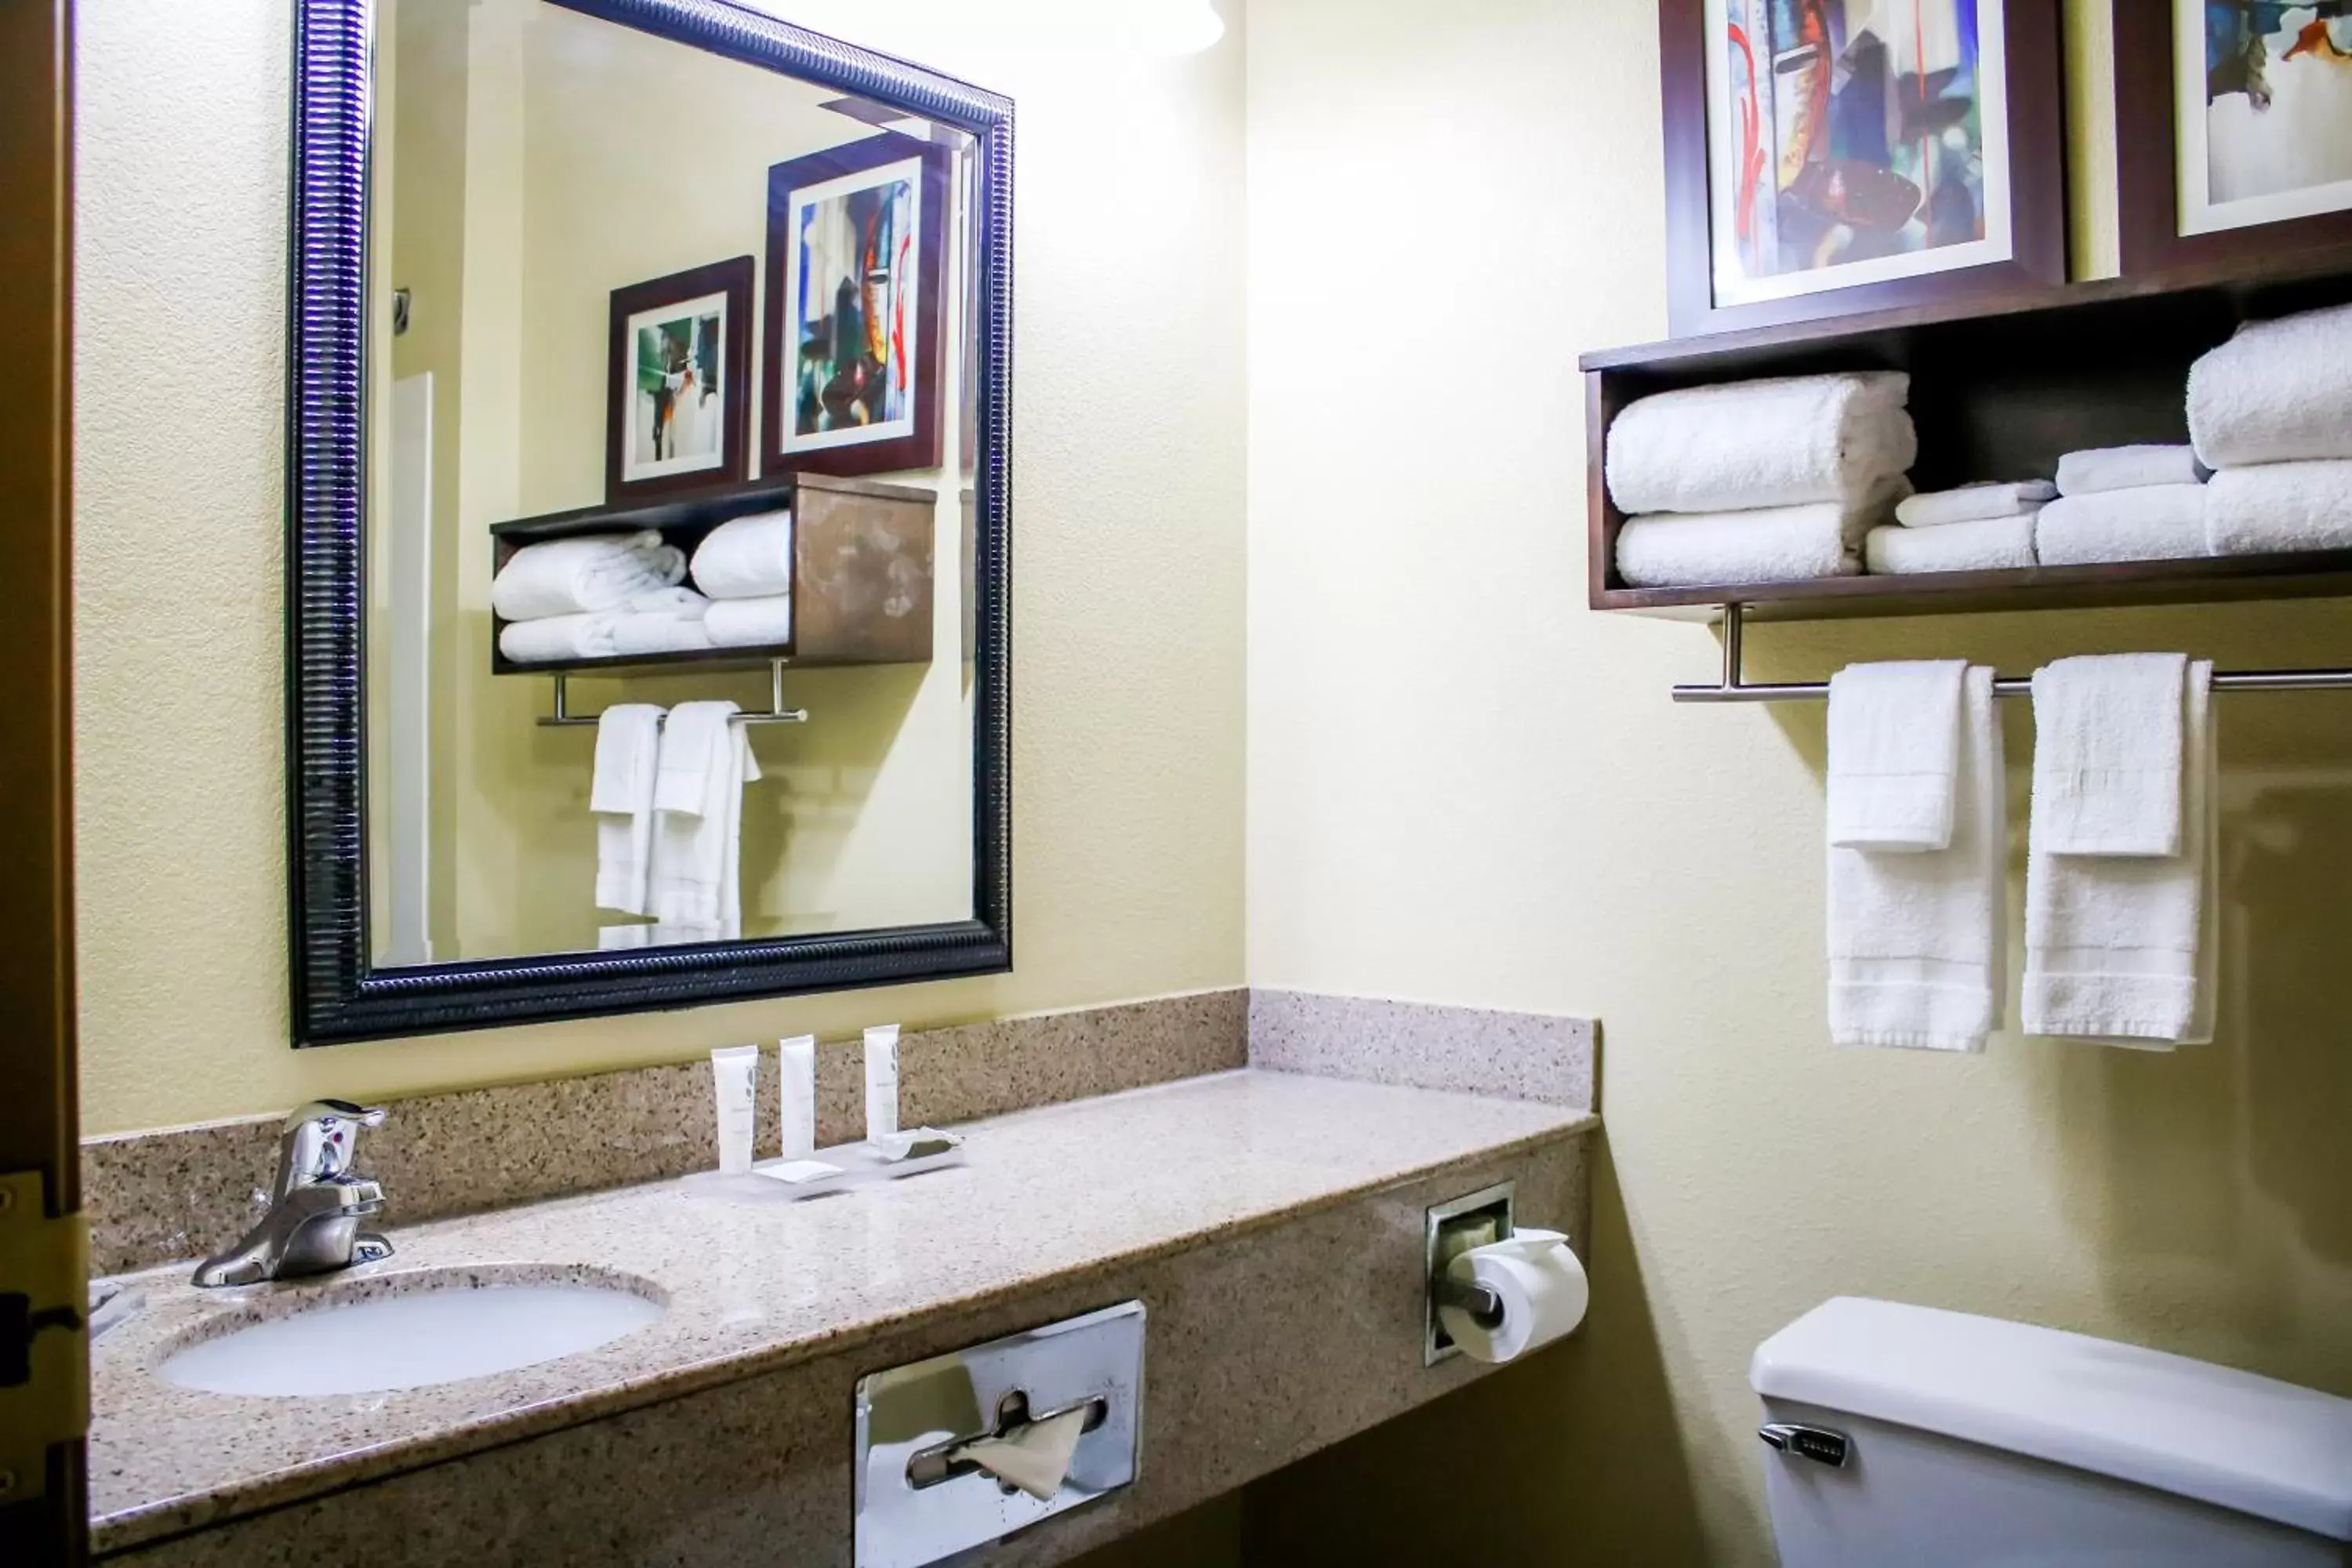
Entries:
{"x":966,"y":1447}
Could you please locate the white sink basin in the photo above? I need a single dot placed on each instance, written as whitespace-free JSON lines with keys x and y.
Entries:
{"x":434,"y":1333}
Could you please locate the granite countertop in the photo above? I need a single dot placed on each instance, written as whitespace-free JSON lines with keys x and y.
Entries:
{"x":1049,"y":1195}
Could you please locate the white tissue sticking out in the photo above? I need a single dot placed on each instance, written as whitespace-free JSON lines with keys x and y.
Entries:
{"x":1036,"y":1459}
{"x":1542,"y":1287}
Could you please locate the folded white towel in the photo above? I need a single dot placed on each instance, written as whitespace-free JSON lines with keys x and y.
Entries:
{"x":2279,"y":507}
{"x":621,"y":794}
{"x":747,"y":557}
{"x":2123,"y":948}
{"x":1918,"y":944}
{"x":1987,"y":544}
{"x":1974,"y":503}
{"x":2106,"y":754}
{"x":559,"y":638}
{"x":2100,"y":468}
{"x":706,"y":761}
{"x":2278,"y":392}
{"x":751,"y":623}
{"x":1769,"y":544}
{"x":569,"y":576}
{"x":683,"y":604}
{"x":2154,"y":522}
{"x":1779,"y":442}
{"x":643,"y":634}
{"x":1894,"y":733}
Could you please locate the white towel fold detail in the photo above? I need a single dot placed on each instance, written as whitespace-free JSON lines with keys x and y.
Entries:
{"x":2279,"y":507}
{"x":2100,"y":468}
{"x":747,"y":557}
{"x":1779,"y":442}
{"x":1987,"y":544}
{"x":683,"y":604}
{"x":1894,"y":735}
{"x":1918,"y":944}
{"x":2106,"y":754}
{"x":1973,"y":503}
{"x":2152,"y":522}
{"x":706,"y":761}
{"x":2124,"y":949}
{"x":2278,"y":392}
{"x":559,"y":637}
{"x":645,"y":633}
{"x":574,"y":576}
{"x":621,"y":794}
{"x":1769,"y":544}
{"x":751,"y":623}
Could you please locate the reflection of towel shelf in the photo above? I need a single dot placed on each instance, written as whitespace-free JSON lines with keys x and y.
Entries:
{"x":775,"y":714}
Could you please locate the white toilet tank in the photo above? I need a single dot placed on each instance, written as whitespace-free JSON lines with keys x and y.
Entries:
{"x":1932,"y":1439}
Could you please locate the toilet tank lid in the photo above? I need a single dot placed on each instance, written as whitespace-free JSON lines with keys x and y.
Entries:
{"x":2226,"y":1438}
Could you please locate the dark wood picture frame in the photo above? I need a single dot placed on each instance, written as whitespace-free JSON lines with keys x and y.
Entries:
{"x":921,"y":448}
{"x":2037,"y":185}
{"x":339,"y":993}
{"x":2148,"y":192}
{"x":732,"y":278}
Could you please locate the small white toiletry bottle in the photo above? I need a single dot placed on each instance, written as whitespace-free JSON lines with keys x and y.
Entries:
{"x":735,"y":1071}
{"x":798,"y":1067}
{"x":881,"y":1081}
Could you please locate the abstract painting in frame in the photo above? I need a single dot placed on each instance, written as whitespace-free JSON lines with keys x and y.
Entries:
{"x":2234,"y":128}
{"x":679,"y":382}
{"x":856,"y":308}
{"x":1826,"y":157}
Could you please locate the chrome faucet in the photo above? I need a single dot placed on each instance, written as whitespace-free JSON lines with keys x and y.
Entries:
{"x":312,"y":1222}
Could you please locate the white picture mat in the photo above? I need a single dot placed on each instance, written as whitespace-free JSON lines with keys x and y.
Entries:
{"x":910,"y":170}
{"x":634,"y":467}
{"x":2193,"y":118}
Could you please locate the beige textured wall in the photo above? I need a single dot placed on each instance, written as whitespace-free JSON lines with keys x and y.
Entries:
{"x":1128,"y":563}
{"x":1464,"y":787}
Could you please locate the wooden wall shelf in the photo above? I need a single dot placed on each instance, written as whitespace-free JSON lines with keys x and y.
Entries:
{"x":2000,"y":388}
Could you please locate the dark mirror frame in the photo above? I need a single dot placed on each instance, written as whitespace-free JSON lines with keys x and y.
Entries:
{"x":337,"y":995}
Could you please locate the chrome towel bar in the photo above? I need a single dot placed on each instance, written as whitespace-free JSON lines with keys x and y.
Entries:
{"x":776,"y":712}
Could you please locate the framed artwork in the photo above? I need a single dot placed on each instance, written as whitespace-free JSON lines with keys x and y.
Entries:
{"x":678,"y":389}
{"x":856,"y":290}
{"x":2233,"y":132}
{"x":1826,"y":157}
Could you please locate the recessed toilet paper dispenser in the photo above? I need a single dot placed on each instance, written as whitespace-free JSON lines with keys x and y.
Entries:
{"x":964,"y":1448}
{"x":1495,"y":1291}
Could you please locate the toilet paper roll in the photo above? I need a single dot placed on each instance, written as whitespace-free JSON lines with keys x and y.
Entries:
{"x":1542,"y":1287}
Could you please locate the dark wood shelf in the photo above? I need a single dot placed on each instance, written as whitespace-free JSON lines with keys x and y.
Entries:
{"x":700,"y":658}
{"x":700,"y":511}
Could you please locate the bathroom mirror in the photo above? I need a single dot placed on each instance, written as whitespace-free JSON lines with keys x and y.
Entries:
{"x":649,"y":356}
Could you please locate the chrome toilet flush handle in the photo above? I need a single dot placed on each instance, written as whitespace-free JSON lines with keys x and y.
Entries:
{"x":311,"y":1223}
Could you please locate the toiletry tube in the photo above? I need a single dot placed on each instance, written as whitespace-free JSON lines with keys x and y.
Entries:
{"x":736,"y":1071}
{"x":881,"y":1081}
{"x":798,"y":1084}
{"x":1542,"y":1287}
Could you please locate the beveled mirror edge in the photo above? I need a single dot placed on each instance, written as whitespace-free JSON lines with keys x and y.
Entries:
{"x":337,"y":996}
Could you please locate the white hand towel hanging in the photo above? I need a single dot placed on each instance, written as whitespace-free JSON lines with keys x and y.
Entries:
{"x":2107,"y":754}
{"x":1894,"y":733}
{"x":620,"y":795}
{"x":706,"y":761}
{"x":2124,"y":949}
{"x":1919,"y":940}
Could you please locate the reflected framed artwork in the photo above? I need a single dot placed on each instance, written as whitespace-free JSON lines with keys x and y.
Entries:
{"x":2234,"y":131}
{"x":679,"y":387}
{"x":856,"y":304}
{"x":1829,"y":157}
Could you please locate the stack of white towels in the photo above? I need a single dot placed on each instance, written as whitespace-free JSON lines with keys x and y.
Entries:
{"x":2121,"y":901}
{"x":2271,"y":413}
{"x":1976,"y":528}
{"x":667,"y":797}
{"x":1757,"y":482}
{"x":745,"y":566}
{"x":596,"y":597}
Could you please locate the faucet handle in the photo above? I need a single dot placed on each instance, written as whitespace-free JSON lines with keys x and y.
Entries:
{"x":320,"y":1139}
{"x":339,"y":1109}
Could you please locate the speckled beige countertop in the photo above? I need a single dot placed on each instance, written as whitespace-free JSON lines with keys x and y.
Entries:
{"x":1049,"y":1195}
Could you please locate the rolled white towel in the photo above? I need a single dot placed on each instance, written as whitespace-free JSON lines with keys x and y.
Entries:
{"x":1987,"y":544}
{"x":747,"y":557}
{"x":2152,"y":522}
{"x":1973,"y":503}
{"x":557,"y":638}
{"x":2278,"y":392}
{"x":1784,"y":441}
{"x":2278,"y":507}
{"x":1769,"y":544}
{"x":643,"y":632}
{"x":577,"y":577}
{"x":2097,"y":468}
{"x":751,"y":623}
